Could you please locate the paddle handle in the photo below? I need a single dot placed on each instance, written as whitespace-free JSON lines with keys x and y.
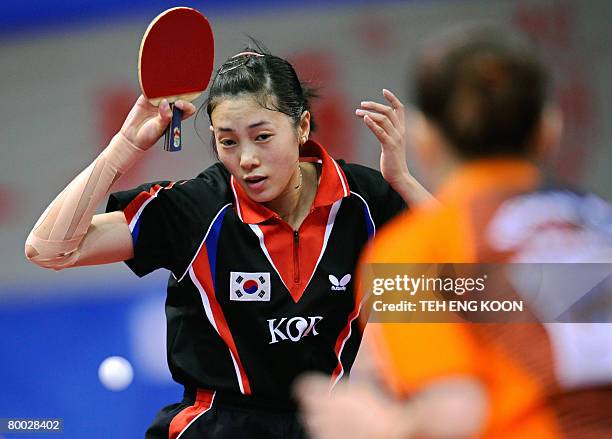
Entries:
{"x":173,"y":140}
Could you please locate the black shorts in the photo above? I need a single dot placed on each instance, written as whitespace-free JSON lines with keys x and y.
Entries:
{"x":205,"y":414}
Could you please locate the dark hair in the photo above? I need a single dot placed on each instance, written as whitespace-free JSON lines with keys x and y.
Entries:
{"x":485,"y":89}
{"x":270,"y":79}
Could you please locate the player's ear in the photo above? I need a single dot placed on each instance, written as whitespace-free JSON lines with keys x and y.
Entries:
{"x":213,"y":142}
{"x":548,"y":133}
{"x":304,"y":127}
{"x":431,"y":149}
{"x":425,"y":139}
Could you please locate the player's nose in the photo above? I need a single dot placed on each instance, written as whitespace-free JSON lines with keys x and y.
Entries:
{"x":249,"y":158}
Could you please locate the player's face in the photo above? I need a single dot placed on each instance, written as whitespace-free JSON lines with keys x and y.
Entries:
{"x":259,"y":147}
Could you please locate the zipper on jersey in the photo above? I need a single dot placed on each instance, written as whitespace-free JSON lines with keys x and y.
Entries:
{"x":296,"y":257}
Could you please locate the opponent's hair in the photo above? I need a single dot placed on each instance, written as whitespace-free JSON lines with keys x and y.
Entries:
{"x":484,"y":88}
{"x":271,"y":80}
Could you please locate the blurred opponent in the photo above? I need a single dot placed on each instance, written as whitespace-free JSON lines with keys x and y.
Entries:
{"x":483,"y":119}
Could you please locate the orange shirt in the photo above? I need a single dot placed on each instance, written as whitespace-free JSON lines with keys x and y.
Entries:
{"x":415,"y":354}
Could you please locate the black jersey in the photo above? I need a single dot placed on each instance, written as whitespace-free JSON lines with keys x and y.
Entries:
{"x":252,"y":303}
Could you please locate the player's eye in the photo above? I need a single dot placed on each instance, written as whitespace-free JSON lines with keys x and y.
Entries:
{"x":227,"y":143}
{"x":263,"y":137}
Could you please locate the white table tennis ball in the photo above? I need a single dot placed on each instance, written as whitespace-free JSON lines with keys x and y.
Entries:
{"x":115,"y":373}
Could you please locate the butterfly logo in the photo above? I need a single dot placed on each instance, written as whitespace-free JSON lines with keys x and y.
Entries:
{"x":339,"y":285}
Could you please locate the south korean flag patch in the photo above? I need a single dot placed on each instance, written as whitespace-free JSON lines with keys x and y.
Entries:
{"x":250,"y":287}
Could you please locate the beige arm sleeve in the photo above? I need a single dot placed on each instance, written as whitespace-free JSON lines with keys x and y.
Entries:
{"x":55,"y":240}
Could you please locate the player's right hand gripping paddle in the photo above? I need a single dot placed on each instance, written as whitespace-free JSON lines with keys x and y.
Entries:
{"x":175,"y":62}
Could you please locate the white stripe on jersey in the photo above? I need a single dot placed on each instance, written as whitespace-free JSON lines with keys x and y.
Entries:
{"x":350,"y":326}
{"x":212,"y":401}
{"x":328,"y":229}
{"x":340,"y":177}
{"x":369,"y":213}
{"x":139,"y":212}
{"x":211,"y":319}
{"x":236,"y":198}
{"x":257,"y":230}
{"x":203,"y":241}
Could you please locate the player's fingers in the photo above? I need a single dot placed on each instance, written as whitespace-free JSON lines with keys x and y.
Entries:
{"x":397,"y":105}
{"x":165,"y":112}
{"x":381,"y":108}
{"x":187,"y":108}
{"x":143,"y":102}
{"x":378,"y":131}
{"x":373,"y":115}
{"x":381,"y":119}
{"x":140,"y":107}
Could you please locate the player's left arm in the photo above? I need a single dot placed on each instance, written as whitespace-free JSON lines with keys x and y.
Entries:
{"x":388,"y":123}
{"x":108,"y":240}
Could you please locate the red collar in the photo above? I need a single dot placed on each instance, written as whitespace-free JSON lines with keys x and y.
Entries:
{"x":333,"y":186}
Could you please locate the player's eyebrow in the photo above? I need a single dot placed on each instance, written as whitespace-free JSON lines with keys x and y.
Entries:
{"x":253,"y":125}
{"x":258,"y":124}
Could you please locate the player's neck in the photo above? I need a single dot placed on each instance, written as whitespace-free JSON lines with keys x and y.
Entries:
{"x":294,"y":205}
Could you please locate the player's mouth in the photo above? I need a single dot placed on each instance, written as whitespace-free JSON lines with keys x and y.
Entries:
{"x":255,"y":182}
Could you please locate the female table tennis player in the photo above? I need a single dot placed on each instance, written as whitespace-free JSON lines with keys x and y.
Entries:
{"x":261,"y":246}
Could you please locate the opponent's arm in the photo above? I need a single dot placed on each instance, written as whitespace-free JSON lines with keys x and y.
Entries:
{"x":451,"y":408}
{"x":388,"y":123}
{"x":68,"y":234}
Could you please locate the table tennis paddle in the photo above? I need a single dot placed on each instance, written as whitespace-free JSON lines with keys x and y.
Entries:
{"x":175,"y":62}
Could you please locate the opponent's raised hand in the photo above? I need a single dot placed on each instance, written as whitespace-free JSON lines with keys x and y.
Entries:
{"x":388,"y":124}
{"x":146,"y":123}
